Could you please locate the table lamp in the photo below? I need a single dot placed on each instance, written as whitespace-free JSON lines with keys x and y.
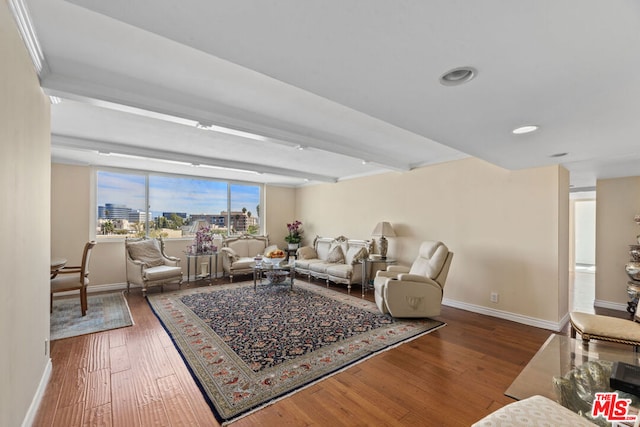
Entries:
{"x":383,"y":229}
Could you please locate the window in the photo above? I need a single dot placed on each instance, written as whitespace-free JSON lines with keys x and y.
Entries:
{"x":172,"y":206}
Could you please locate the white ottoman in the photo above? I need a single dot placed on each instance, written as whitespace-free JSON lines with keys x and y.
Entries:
{"x":535,"y":411}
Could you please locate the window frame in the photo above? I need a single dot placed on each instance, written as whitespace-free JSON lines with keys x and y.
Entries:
{"x":93,"y":211}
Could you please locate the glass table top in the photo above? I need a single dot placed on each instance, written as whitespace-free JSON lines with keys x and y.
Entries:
{"x":558,"y":356}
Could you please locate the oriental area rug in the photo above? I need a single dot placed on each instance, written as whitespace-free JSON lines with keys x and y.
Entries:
{"x":104,"y":312}
{"x":247,"y":348}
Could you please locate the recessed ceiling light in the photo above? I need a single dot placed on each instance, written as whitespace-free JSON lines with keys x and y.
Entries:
{"x":458,"y":76}
{"x":525,"y":129}
{"x":558,"y":155}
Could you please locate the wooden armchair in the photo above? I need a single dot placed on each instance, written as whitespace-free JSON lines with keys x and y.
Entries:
{"x":74,"y":279}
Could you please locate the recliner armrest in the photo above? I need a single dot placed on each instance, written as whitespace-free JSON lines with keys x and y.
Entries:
{"x":414,"y":278}
{"x":398,"y":269}
{"x":388,"y":274}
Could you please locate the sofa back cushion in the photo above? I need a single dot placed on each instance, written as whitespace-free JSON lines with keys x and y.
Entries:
{"x":247,"y":246}
{"x":430,"y":260}
{"x":351,"y":249}
{"x":322,"y":247}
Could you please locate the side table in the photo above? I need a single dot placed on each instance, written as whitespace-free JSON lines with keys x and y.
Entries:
{"x":211,"y":273}
{"x":366,"y":261}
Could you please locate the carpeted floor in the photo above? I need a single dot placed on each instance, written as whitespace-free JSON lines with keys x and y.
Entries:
{"x":105,"y":311}
{"x":247,"y":348}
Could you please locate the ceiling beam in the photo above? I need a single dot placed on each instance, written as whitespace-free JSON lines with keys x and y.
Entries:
{"x":70,"y":142}
{"x":177,"y":109}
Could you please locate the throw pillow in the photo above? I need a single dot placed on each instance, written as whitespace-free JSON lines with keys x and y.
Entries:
{"x":146,"y":251}
{"x":335,"y":255}
{"x":307,"y":252}
{"x":361,"y":254}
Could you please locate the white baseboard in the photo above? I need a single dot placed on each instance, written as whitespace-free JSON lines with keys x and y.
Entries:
{"x":108,"y":287}
{"x":612,"y":305}
{"x":514,"y":317}
{"x":37,"y":398}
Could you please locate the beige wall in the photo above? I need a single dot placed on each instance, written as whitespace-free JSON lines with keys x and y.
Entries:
{"x":618,"y":201}
{"x":280,"y":209}
{"x":25,"y":228}
{"x":71,"y":198}
{"x":70,"y":190}
{"x":508,"y":229}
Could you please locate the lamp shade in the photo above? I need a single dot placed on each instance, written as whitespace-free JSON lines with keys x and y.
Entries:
{"x":383,"y":228}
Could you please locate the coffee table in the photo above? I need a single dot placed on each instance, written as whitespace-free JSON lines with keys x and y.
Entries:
{"x":557,"y":357}
{"x":276,"y":273}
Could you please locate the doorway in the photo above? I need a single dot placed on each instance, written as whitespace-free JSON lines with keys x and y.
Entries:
{"x":582,"y":287}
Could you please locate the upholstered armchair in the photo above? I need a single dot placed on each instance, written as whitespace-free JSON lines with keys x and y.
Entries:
{"x":415,"y":291}
{"x":147,"y":264}
{"x":238,"y":253}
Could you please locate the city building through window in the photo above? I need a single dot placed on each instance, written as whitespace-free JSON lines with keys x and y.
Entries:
{"x":153,"y":205}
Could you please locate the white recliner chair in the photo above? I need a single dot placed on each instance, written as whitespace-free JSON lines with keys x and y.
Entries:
{"x":414,"y":291}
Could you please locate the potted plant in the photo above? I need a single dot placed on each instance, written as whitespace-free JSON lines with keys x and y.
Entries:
{"x":295,"y":234}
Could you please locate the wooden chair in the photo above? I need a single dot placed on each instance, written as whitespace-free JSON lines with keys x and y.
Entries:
{"x":74,"y":279}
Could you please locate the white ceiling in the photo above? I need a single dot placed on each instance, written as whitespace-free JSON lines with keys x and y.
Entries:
{"x":349,"y":81}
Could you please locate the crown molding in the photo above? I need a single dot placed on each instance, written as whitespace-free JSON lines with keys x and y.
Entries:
{"x":22,"y":17}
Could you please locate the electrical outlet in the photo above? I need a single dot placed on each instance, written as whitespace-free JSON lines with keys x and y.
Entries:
{"x":494,"y":297}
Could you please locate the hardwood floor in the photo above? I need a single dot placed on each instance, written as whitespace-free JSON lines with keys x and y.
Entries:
{"x":135,"y":377}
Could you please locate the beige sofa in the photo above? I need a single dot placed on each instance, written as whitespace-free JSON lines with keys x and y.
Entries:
{"x":238,"y":253}
{"x":333,"y":259}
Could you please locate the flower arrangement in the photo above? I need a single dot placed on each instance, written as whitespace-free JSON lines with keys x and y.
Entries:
{"x":203,"y":242}
{"x":295,"y":232}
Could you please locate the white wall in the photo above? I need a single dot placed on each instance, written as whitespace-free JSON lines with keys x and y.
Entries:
{"x":25,"y":229}
{"x":585,"y":231}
